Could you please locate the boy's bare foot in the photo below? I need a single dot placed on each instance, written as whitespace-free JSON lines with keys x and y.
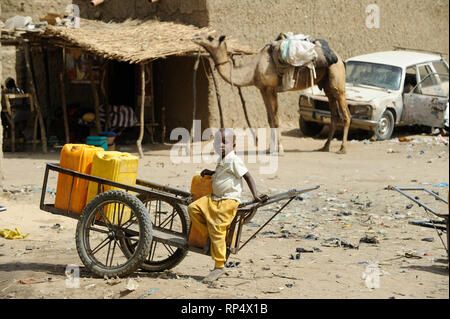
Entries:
{"x":214,"y":274}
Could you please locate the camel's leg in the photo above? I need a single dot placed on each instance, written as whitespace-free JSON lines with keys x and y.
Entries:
{"x":334,"y":119}
{"x":336,"y":85}
{"x":342,"y":104}
{"x":276,"y":118}
{"x":269,"y":96}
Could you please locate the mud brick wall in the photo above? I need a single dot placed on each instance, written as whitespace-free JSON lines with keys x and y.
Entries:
{"x":406,"y":23}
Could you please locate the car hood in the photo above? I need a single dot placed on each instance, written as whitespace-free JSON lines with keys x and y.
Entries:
{"x":365,"y":94}
{"x":360,"y":94}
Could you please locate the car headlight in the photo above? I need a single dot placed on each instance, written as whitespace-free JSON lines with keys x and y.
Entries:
{"x":306,"y":101}
{"x":361,"y":111}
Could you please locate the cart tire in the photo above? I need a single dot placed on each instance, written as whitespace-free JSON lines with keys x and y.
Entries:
{"x":172,"y":256}
{"x":94,"y":221}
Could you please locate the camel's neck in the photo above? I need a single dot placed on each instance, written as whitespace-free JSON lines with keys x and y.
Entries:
{"x":236,"y":75}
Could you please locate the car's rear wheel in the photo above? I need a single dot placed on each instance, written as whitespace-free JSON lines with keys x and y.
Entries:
{"x":309,"y":128}
{"x":385,"y":126}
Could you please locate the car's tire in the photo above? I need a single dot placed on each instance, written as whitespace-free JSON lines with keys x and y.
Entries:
{"x":385,"y":126}
{"x":309,"y":128}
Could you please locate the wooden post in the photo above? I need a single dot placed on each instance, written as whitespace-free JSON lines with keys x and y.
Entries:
{"x":96,"y":99}
{"x":152,"y":101}
{"x":63,"y":96}
{"x":35,"y":99}
{"x":194,"y":89}
{"x":10,"y":116}
{"x":105,"y":97}
{"x":216,"y":89}
{"x":141,"y":123}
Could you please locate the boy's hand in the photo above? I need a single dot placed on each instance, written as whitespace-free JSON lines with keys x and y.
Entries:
{"x":262,"y":198}
{"x":207,"y":172}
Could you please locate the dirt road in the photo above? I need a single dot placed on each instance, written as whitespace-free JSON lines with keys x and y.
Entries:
{"x":350,"y":204}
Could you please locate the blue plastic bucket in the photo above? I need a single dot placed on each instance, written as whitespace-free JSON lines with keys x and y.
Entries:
{"x":100,"y":141}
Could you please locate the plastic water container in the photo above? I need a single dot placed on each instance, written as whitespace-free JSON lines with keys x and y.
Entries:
{"x":100,"y":141}
{"x":200,"y":186}
{"x":119,"y":167}
{"x":76,"y":157}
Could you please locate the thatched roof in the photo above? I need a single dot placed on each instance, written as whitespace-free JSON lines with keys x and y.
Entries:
{"x":133,"y":41}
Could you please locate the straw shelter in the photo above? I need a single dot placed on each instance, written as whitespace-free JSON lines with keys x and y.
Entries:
{"x":139,"y":45}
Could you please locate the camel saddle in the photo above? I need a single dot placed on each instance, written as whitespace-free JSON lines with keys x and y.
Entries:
{"x":324,"y":55}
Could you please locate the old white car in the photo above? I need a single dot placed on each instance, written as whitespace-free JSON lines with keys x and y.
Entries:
{"x":384,"y":90}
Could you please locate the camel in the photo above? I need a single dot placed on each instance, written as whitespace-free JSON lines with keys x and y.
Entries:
{"x":260,"y":71}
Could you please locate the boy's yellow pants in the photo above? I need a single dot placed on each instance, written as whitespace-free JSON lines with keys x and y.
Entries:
{"x":212,"y":218}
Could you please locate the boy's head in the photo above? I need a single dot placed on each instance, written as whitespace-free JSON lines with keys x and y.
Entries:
{"x":224,"y":141}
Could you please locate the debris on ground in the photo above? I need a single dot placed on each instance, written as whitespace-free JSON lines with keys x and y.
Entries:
{"x":112,"y":281}
{"x":30,"y":281}
{"x":337,"y":242}
{"x":12,"y":234}
{"x":232,"y":264}
{"x":294,"y":257}
{"x":310,"y":237}
{"x":428,"y":239}
{"x":132,"y":285}
{"x":369,"y":240}
{"x":303,"y":250}
{"x":149,"y":292}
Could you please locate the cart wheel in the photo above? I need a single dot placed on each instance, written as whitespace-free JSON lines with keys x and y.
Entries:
{"x":167,"y":216}
{"x":104,"y":222}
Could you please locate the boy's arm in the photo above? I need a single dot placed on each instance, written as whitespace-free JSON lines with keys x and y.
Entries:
{"x":251,"y":184}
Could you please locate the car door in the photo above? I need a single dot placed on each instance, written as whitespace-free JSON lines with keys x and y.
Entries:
{"x":426,"y":103}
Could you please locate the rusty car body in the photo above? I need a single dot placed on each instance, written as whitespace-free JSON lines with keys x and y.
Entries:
{"x":384,"y":90}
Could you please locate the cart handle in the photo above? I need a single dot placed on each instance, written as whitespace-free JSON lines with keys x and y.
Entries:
{"x":277,"y":197}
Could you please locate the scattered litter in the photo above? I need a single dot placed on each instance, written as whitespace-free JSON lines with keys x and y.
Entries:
{"x":109,"y":295}
{"x":112,"y":281}
{"x":310,"y":237}
{"x":132,"y":285}
{"x":441,"y":185}
{"x":286,"y":234}
{"x":409,"y":206}
{"x":317,"y":249}
{"x":89,"y":286}
{"x":362,"y":262}
{"x":369,"y":240}
{"x":12,"y":234}
{"x":294,"y":257}
{"x":289,"y":285}
{"x":429,"y":239}
{"x":30,"y":281}
{"x":252,"y":224}
{"x":409,"y":254}
{"x":149,"y":292}
{"x":303,"y":250}
{"x":337,"y":242}
{"x":29,"y":248}
{"x":268,"y":233}
{"x":58,"y":227}
{"x":232,"y":264}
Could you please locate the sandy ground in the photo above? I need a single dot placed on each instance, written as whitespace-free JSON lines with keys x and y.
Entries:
{"x":352,"y":202}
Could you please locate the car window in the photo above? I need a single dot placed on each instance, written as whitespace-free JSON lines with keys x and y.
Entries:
{"x":440,"y":66}
{"x":426,"y":81}
{"x":433,"y":84}
{"x":410,"y":79}
{"x":372,"y":74}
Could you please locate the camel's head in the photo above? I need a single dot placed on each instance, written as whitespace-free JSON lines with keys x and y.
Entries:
{"x":210,"y":42}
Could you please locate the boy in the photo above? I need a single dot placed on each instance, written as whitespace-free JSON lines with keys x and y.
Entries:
{"x":212,"y":214}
